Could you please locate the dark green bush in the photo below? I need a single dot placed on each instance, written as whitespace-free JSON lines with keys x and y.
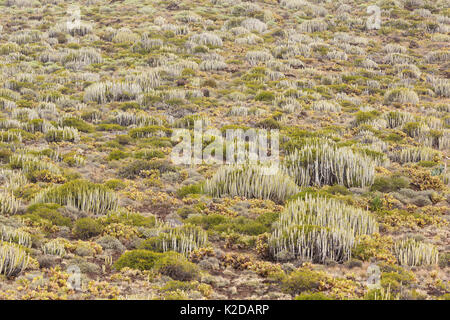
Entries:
{"x":243,"y":225}
{"x":389,"y":184}
{"x":79,"y":124}
{"x":266,"y":96}
{"x":47,"y":211}
{"x":148,"y":154}
{"x":444,"y":260}
{"x":131,"y":219}
{"x":177,"y":267}
{"x":269,"y":123}
{"x":109,"y":127}
{"x":137,"y":259}
{"x":190,"y":189}
{"x":170,"y":263}
{"x":86,"y":228}
{"x":115,"y":184}
{"x":313,"y":296}
{"x":117,"y":155}
{"x":134,"y":168}
{"x":301,"y":280}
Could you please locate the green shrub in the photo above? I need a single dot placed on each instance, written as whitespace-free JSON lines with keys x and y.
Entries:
{"x":84,"y":195}
{"x":117,"y":155}
{"x":266,"y":96}
{"x":47,"y":211}
{"x":86,"y":228}
{"x":389,"y":184}
{"x":395,"y":281}
{"x":177,"y":267}
{"x":123,"y":139}
{"x":79,"y":124}
{"x":190,"y":189}
{"x":109,"y":127}
{"x":313,"y":296}
{"x":338,"y":189}
{"x":115,"y":184}
{"x":268,"y":124}
{"x":138,"y":259}
{"x":148,"y":154}
{"x":241,"y":225}
{"x":444,"y":260}
{"x":149,"y":131}
{"x":365,"y":117}
{"x":129,"y":218}
{"x":301,"y":280}
{"x":134,"y":168}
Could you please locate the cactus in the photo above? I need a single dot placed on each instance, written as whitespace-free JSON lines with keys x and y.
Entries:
{"x":182,"y":239}
{"x":253,"y":57}
{"x":315,"y":25}
{"x":415,"y":253}
{"x":401,"y":95}
{"x":10,"y":136}
{"x":12,"y":179}
{"x":328,"y":106}
{"x":319,"y":229}
{"x":252,"y":24}
{"x":250,"y":181}
{"x":8,"y":204}
{"x":62,"y":134}
{"x":212,"y":65}
{"x":414,"y":154}
{"x":29,"y":163}
{"x":13,"y":259}
{"x":207,"y":38}
{"x":81,"y":194}
{"x":320,"y":162}
{"x":397,"y":119}
{"x":112,"y":91}
{"x":9,"y":234}
{"x":54,"y":247}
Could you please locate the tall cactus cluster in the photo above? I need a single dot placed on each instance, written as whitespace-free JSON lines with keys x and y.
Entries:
{"x":54,"y":247}
{"x":28,"y":163}
{"x":84,"y":195}
{"x":251,"y":181}
{"x":321,"y":162}
{"x":397,"y":119}
{"x":13,"y":259}
{"x":62,"y":134}
{"x":320,"y":229}
{"x":182,"y":239}
{"x":411,"y":252}
{"x":9,"y":234}
{"x":12,"y":179}
{"x":414,"y":154}
{"x":8,"y":204}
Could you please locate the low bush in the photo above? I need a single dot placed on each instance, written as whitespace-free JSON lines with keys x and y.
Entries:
{"x":86,"y":228}
{"x":301,"y":280}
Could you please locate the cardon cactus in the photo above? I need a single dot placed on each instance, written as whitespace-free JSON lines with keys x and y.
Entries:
{"x":13,"y":259}
{"x":320,"y":162}
{"x":250,"y":181}
{"x":320,"y":229}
